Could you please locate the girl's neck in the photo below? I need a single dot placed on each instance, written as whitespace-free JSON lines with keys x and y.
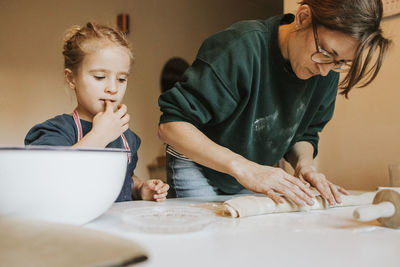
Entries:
{"x":83,"y":115}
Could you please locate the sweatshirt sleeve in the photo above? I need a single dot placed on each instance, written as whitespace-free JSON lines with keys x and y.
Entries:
{"x":323,"y":115}
{"x":201,"y":98}
{"x":217,"y":81}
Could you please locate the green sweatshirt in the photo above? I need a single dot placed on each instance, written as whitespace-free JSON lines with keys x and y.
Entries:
{"x":243,"y":95}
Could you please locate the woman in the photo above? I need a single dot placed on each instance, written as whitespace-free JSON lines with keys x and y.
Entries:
{"x":263,"y":90}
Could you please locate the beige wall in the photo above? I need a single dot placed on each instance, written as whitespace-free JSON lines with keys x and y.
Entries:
{"x":31,"y":82}
{"x":363,"y":137}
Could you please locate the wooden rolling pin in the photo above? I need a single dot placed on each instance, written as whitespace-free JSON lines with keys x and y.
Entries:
{"x":385,"y":207}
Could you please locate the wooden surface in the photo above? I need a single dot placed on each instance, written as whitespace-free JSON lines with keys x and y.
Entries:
{"x":36,"y":243}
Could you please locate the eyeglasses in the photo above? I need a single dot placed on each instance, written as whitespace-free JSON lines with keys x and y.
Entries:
{"x":322,"y":56}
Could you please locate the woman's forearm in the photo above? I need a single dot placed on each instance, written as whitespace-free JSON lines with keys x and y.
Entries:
{"x":301,"y":156}
{"x":191,"y":142}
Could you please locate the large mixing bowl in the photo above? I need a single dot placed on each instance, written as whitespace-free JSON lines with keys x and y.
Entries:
{"x":59,"y":184}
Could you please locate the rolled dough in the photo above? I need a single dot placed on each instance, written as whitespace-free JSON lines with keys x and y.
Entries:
{"x":255,"y":205}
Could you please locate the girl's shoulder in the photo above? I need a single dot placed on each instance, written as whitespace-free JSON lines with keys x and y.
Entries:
{"x":64,"y":122}
{"x":55,"y":131}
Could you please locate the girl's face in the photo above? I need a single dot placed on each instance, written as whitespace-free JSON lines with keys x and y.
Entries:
{"x":102,"y":75}
{"x":340,"y":45}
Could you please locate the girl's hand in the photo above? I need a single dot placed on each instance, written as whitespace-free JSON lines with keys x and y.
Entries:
{"x":328,"y":190}
{"x":109,"y":125}
{"x":154,"y":190}
{"x":274,"y":182}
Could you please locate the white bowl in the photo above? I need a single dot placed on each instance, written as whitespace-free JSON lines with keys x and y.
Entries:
{"x":60,"y":184}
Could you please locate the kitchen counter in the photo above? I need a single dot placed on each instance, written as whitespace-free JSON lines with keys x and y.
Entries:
{"x":315,"y":238}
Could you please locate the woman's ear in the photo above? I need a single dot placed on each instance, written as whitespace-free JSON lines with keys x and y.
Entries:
{"x":303,"y":18}
{"x":69,"y":78}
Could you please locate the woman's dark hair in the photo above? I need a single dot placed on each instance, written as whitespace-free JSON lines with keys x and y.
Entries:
{"x":361,"y":20}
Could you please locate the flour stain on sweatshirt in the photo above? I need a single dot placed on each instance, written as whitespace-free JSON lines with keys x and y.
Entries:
{"x":270,"y":131}
{"x":265,"y":123}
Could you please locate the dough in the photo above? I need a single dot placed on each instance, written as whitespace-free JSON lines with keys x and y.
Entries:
{"x":255,"y":205}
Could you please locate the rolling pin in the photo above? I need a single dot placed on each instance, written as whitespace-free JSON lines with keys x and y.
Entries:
{"x":385,"y":208}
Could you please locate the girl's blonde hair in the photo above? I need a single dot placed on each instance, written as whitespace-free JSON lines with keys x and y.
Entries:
{"x":74,"y":49}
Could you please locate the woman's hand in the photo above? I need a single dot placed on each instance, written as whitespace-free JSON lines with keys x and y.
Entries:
{"x":154,"y":189}
{"x":275,"y":182}
{"x":109,"y":125}
{"x":328,"y":190}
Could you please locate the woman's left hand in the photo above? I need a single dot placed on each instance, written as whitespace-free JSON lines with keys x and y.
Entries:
{"x":154,"y":189}
{"x":328,"y":190}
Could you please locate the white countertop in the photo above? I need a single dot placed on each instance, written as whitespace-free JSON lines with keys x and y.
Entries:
{"x":316,"y":238}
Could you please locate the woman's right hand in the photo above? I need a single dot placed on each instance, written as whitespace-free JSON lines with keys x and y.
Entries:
{"x":109,"y":125}
{"x":275,"y":183}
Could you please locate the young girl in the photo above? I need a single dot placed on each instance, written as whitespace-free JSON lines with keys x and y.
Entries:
{"x":97,"y":61}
